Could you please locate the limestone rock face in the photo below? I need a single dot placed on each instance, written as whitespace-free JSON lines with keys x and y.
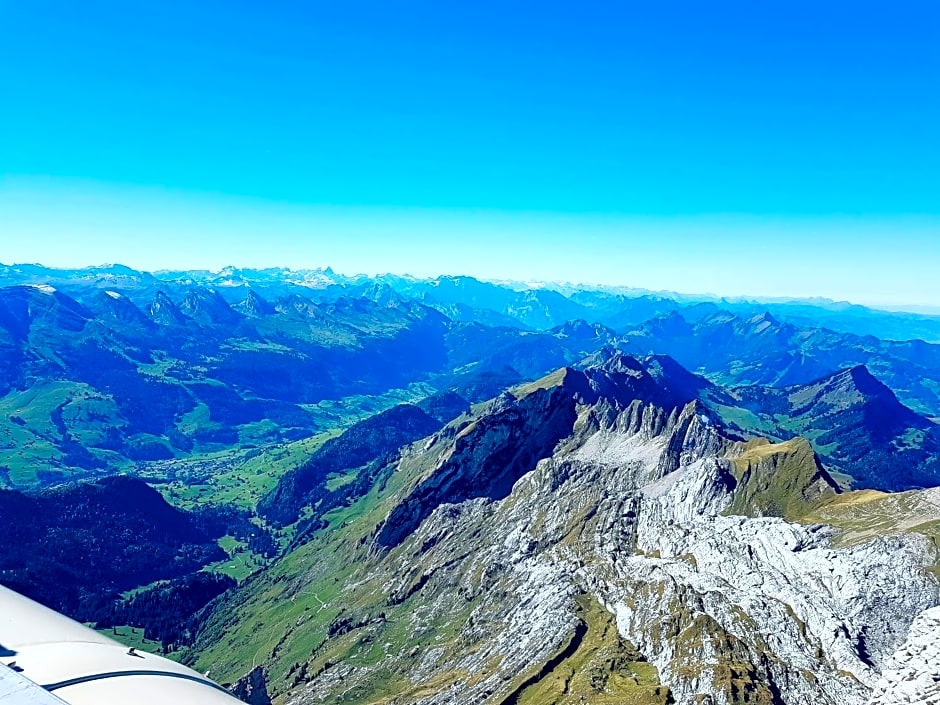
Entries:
{"x":599,"y":488}
{"x":795,"y":614}
{"x":912,"y":673}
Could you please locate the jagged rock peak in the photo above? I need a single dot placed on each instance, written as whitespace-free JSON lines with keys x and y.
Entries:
{"x":655,"y":379}
{"x":383,"y":294}
{"x":295,"y":304}
{"x":763,"y":321}
{"x":165,"y":312}
{"x":596,"y":359}
{"x":252,"y":688}
{"x":115,"y":305}
{"x":620,"y":363}
{"x":521,"y":427}
{"x":162,"y":299}
{"x":865,"y":382}
{"x":207,"y":306}
{"x":255,"y":306}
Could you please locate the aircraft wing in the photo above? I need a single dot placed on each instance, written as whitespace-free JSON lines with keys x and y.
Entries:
{"x":49,"y":659}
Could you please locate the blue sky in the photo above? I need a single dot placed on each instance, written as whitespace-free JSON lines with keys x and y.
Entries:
{"x":740,"y":148}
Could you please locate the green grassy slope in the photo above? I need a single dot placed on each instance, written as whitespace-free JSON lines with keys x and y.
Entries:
{"x":779,"y":479}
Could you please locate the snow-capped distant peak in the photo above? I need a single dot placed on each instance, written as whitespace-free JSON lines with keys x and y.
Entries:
{"x":44,"y":288}
{"x":114,"y":294}
{"x":314,"y":278}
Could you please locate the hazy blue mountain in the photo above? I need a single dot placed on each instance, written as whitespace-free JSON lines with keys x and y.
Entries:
{"x":466,"y":299}
{"x":487,"y":360}
{"x":91,"y":387}
{"x":106,"y":367}
{"x":102,"y":385}
{"x":254,"y":306}
{"x":764,"y":350}
{"x":860,"y":320}
{"x":207,"y":307}
{"x":855,"y":423}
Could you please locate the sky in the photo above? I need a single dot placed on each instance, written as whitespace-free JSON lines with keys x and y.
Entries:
{"x":772,"y":148}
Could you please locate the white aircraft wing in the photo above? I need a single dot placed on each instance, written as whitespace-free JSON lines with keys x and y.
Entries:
{"x":49,"y":659}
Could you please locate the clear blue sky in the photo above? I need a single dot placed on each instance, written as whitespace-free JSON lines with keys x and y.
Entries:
{"x":740,"y":148}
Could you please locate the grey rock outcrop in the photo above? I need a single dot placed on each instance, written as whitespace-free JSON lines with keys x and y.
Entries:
{"x":602,"y":485}
{"x":252,"y":688}
{"x":912,"y":673}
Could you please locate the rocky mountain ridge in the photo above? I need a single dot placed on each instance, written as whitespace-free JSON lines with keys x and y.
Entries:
{"x":490,"y":561}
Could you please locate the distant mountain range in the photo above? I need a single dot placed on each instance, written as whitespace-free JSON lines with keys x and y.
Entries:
{"x":96,"y":384}
{"x":459,"y":491}
{"x":104,"y":368}
{"x":537,"y":306}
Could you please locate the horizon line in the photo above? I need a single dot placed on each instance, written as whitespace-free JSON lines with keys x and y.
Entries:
{"x":528,"y":284}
